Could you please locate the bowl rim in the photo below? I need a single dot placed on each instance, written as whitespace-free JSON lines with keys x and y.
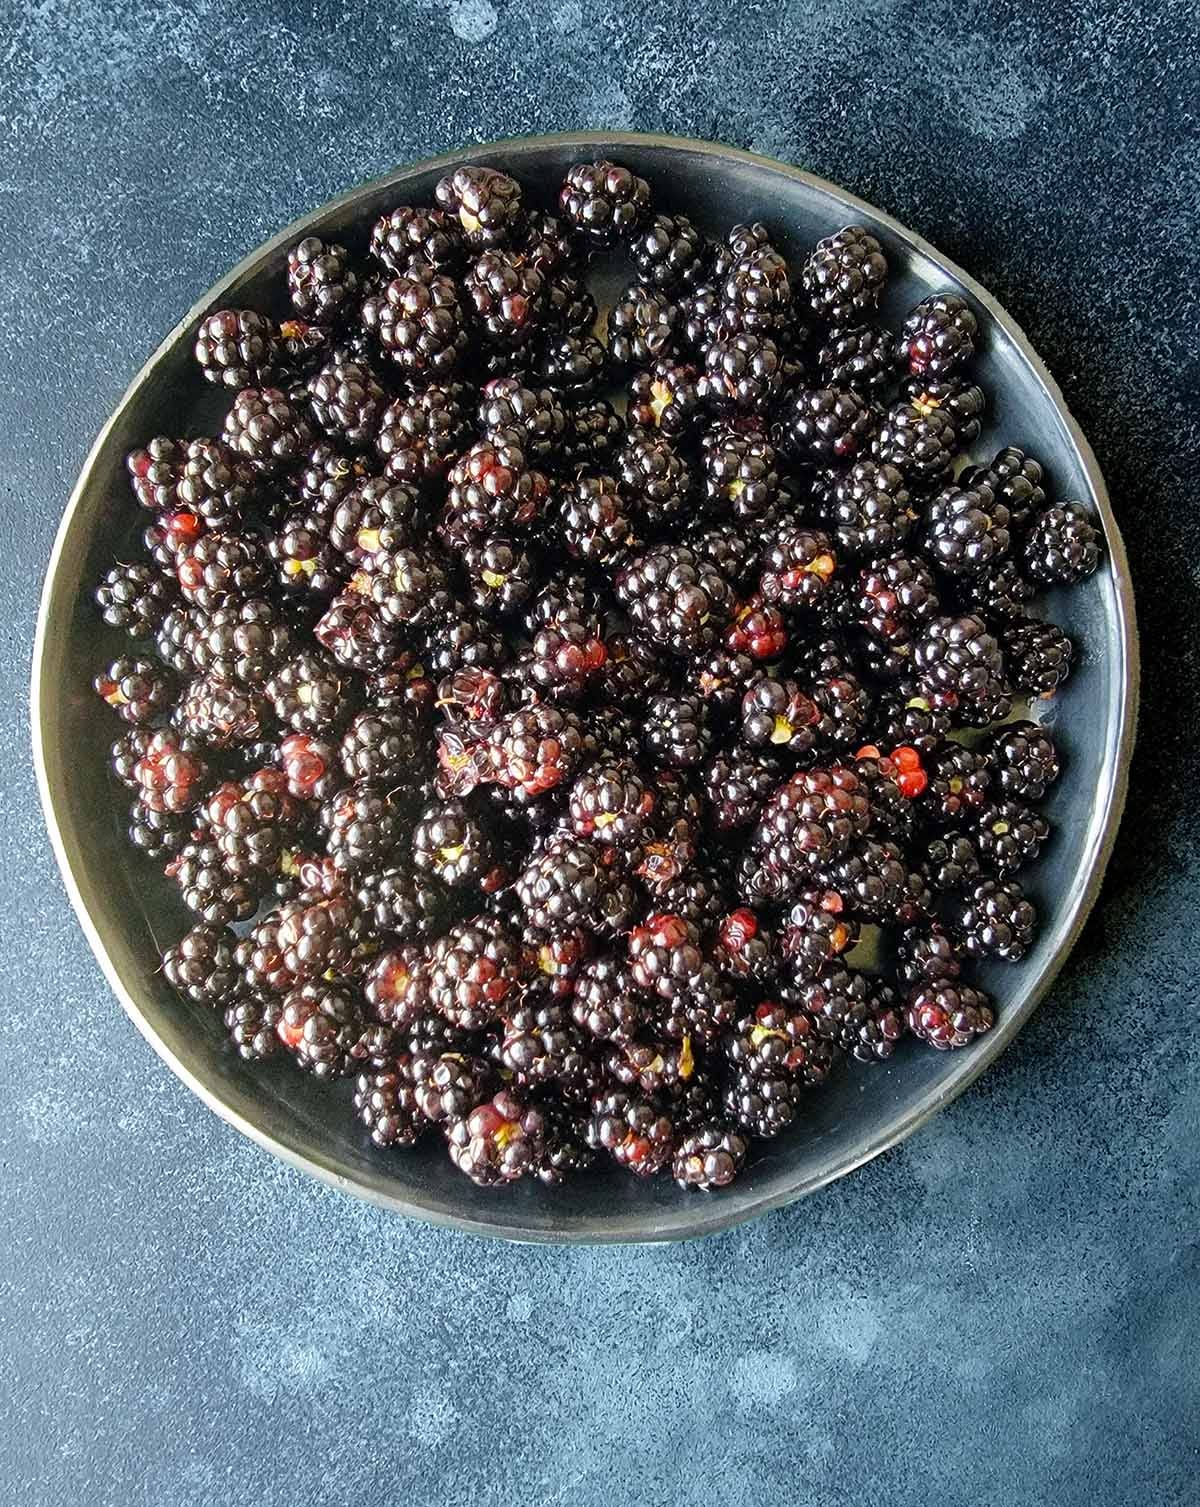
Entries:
{"x":699,"y":1217}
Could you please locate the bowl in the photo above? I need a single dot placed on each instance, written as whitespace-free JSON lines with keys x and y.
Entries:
{"x":864,"y":1110}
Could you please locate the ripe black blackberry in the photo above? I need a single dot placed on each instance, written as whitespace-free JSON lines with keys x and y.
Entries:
{"x":266,"y":429}
{"x":927,"y":953}
{"x":309,"y":938}
{"x":743,"y":373}
{"x":386,"y":1103}
{"x":135,"y":598}
{"x":596,"y":526}
{"x":570,"y":305}
{"x":126,"y":753}
{"x":844,"y":276}
{"x":361,"y":826}
{"x":251,"y":820}
{"x":741,"y":474}
{"x":306,"y":564}
{"x":449,"y":843}
{"x":870,"y":511}
{"x":414,"y":233}
{"x":776,"y":714}
{"x":966,"y":529}
{"x":1062,"y":545}
{"x":860,"y":358}
{"x":221,"y":566}
{"x":153,"y":472}
{"x":397,"y":991}
{"x":607,"y":1002}
{"x":243,"y":640}
{"x":575,"y":364}
{"x":500,"y":574}
{"x":392,"y":899}
{"x":676,"y":734}
{"x":320,"y":1026}
{"x":850,"y":1011}
{"x":507,"y":293}
{"x":816,"y":931}
{"x":948,"y":1014}
{"x":664,"y":398}
{"x":798,"y":568}
{"x":347,"y":400}
{"x":446,"y":1084}
{"x":409,"y":586}
{"x":486,"y":203}
{"x":252,"y":1022}
{"x":218,"y":715}
{"x":352,"y":629}
{"x":420,"y":324}
{"x":643,"y":327}
{"x":137,"y":689}
{"x":1009,"y":836}
{"x":958,"y":661}
{"x":533,"y":750}
{"x":500,"y":1140}
{"x":736,"y":785}
{"x":757,"y":630}
{"x":235,"y":347}
{"x":375,"y":514}
{"x":309,"y":693}
{"x":994,"y":919}
{"x":201,"y":966}
{"x":920,"y":443}
{"x":538,"y":416}
{"x":960,"y":785}
{"x":999,"y":591}
{"x":1016,"y":479}
{"x":1037,"y":656}
{"x":676,"y":597}
{"x":876,"y":884}
{"x":668,"y":252}
{"x":963,"y":403}
{"x":938,"y":337}
{"x":168,"y":773}
{"x":653,"y":477}
{"x":808,"y":824}
{"x":895,"y":597}
{"x":710,"y":1157}
{"x":746,"y":948}
{"x":542,"y":1048}
{"x":565,"y":1149}
{"x":756,"y":295}
{"x":613,"y":803}
{"x":633,"y":1130}
{"x":1024,"y":760}
{"x":951,"y":862}
{"x":604,"y":202}
{"x":207,"y":480}
{"x":480,"y":971}
{"x":778,"y":1041}
{"x":699,"y":896}
{"x":327,"y":477}
{"x":571,"y":885}
{"x":492,"y":489}
{"x":207,"y":887}
{"x":764,"y":1106}
{"x":157,"y":835}
{"x":825,"y":424}
{"x":633,"y":670}
{"x":420,"y":434}
{"x":550,"y":244}
{"x":321,"y":281}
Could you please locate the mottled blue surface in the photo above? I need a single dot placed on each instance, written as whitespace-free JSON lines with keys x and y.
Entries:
{"x":1004,"y":1309}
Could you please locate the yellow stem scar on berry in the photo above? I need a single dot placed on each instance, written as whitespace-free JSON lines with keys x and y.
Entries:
{"x":782,"y":731}
{"x":661,"y":399}
{"x":491,"y":579}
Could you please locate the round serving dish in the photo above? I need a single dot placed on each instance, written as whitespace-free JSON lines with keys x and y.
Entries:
{"x":864,"y":1110}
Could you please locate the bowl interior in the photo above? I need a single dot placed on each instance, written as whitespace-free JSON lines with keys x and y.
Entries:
{"x":129,"y":914}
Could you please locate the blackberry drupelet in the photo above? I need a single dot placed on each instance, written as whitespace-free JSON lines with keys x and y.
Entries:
{"x":1025,"y":761}
{"x":235,"y":347}
{"x":938,"y":336}
{"x":844,"y":276}
{"x":604,"y":202}
{"x":1062,"y":545}
{"x":321,"y":281}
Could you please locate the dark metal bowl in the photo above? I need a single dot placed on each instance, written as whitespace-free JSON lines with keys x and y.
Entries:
{"x":864,"y":1110}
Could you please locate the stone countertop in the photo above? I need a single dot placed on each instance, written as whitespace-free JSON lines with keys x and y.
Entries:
{"x":1004,"y":1308}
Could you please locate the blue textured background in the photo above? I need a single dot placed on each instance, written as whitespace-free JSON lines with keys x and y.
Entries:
{"x":1004,"y":1309}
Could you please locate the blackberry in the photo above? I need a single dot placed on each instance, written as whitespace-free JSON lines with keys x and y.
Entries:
{"x":538,"y":416}
{"x":852,"y":1011}
{"x":235,"y":347}
{"x":816,"y":931}
{"x":393,"y":900}
{"x":486,"y":203}
{"x":948,"y":1014}
{"x":658,"y":1069}
{"x":1016,"y":479}
{"x":574,"y":364}
{"x":612,"y":803}
{"x":570,"y":886}
{"x":643,"y":327}
{"x":1010,"y":836}
{"x":995,"y":919}
{"x":664,"y":397}
{"x":315,"y":939}
{"x":420,"y":435}
{"x":595,"y":524}
{"x":374,"y":515}
{"x":746,"y":948}
{"x":218,"y":715}
{"x":565,"y":1148}
{"x":327,"y":477}
{"x":499,"y":1141}
{"x":743,"y":373}
{"x":170,"y":537}
{"x":251,"y":820}
{"x":798,"y":568}
{"x":1037,"y":656}
{"x":1062,"y":546}
{"x":927,"y":954}
{"x":737,"y":785}
{"x":353,"y":631}
{"x":492,"y":489}
{"x":860,"y":358}
{"x":635,"y":1133}
{"x":844,"y":276}
{"x":566,"y":656}
{"x":938,"y":336}
{"x":241,"y":641}
{"x":676,"y":735}
{"x":446,"y":1085}
{"x":668,"y":252}
{"x":776,"y":1041}
{"x":697,"y":896}
{"x":126,"y":752}
{"x":870,"y":512}
{"x":414,"y":233}
{"x":397,"y":987}
{"x":210,"y":482}
{"x":479,"y":971}
{"x":320,"y":1025}
{"x":966,"y":529}
{"x":632,"y":671}
{"x":134,"y":598}
{"x":264,"y":428}
{"x":420,"y":324}
{"x":549,"y":243}
{"x":959,"y":785}
{"x":757,"y":630}
{"x":951,"y":862}
{"x":157,"y":835}
{"x":821,"y":424}
{"x":136,"y":689}
{"x":895,"y":598}
{"x":963,"y":403}
{"x":999,"y":591}
{"x":958,"y":661}
{"x":360,"y":825}
{"x":305,"y":562}
{"x":408,"y":587}
{"x":676,"y":597}
{"x":809,"y":823}
{"x":347,"y":400}
{"x":741,"y":475}
{"x":449,"y":843}
{"x":500,"y":574}
{"x":508,"y":295}
{"x":386,"y":1103}
{"x":252,"y":1022}
{"x":221,"y":566}
{"x":471,"y":697}
{"x":777,"y":714}
{"x":321,"y":282}
{"x":1024,"y":760}
{"x":208,"y":888}
{"x":876,"y":884}
{"x":921,"y":444}
{"x":464,"y":640}
{"x":763,"y":1106}
{"x":607,"y":1002}
{"x":604,"y":202}
{"x":653,"y":477}
{"x":308,"y":693}
{"x":756,"y":295}
{"x":154,"y":471}
{"x":710,"y":1157}
{"x":541,"y":1047}
{"x":570,"y":306}
{"x":844,"y":709}
{"x":201,"y":966}
{"x":665,"y":955}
